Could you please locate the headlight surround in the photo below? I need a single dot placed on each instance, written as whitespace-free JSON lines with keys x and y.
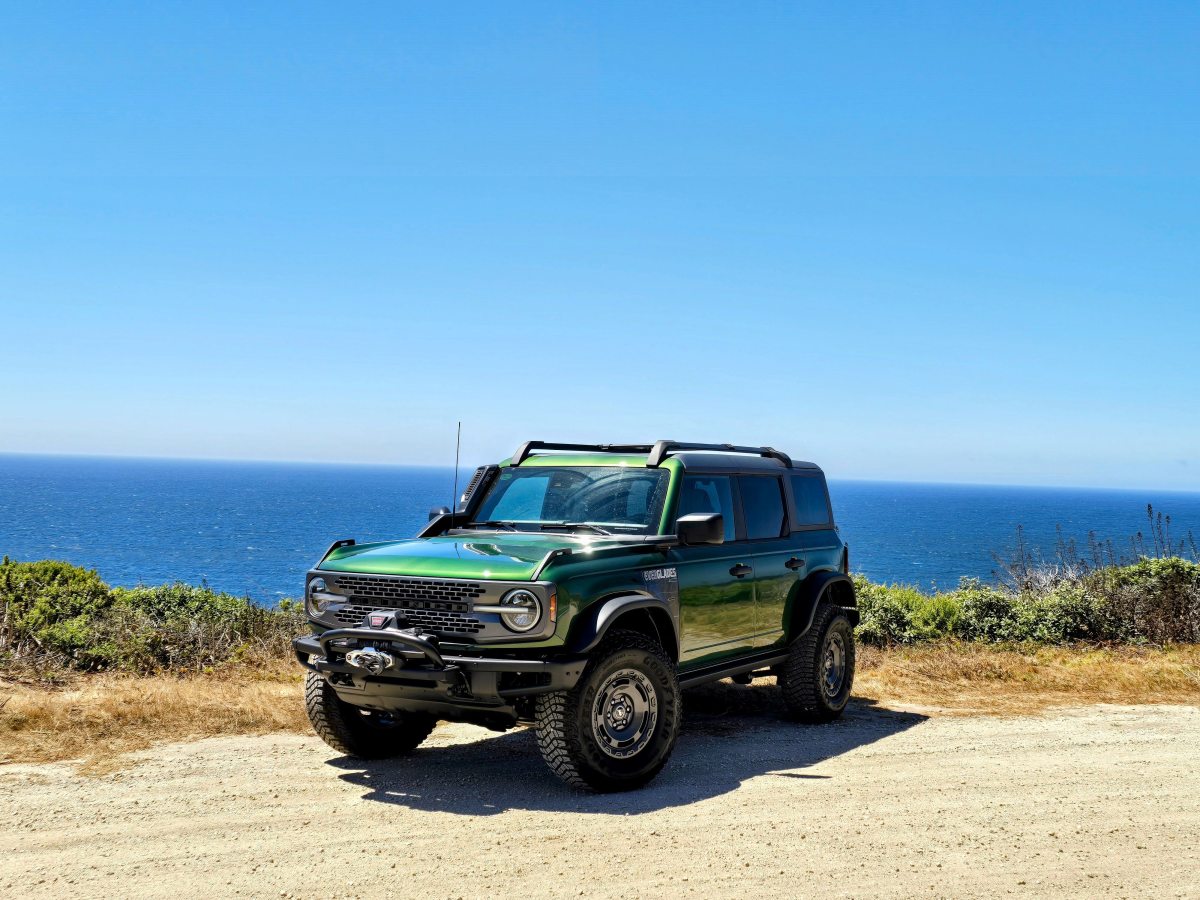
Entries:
{"x":522,"y":610}
{"x":317,"y":597}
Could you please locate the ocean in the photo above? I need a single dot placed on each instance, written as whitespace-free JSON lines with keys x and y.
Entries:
{"x":255,"y":528}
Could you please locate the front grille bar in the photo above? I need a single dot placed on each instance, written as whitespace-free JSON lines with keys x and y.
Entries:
{"x":436,"y":604}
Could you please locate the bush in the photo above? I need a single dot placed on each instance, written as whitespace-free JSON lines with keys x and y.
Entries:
{"x":899,"y":614}
{"x":46,"y":608}
{"x":54,"y":615}
{"x":1152,"y":600}
{"x":986,"y":613}
{"x":1064,"y":613}
{"x":1155,"y":600}
{"x":184,"y":627}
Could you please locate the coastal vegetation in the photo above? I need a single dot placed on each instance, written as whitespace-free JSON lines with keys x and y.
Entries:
{"x":89,"y":671}
{"x":57,"y":619}
{"x":1149,"y":602}
{"x":1145,"y":597}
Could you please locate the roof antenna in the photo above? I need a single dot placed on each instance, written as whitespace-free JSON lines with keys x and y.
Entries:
{"x":454,"y":496}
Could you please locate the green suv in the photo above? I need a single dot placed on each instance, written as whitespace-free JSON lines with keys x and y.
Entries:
{"x":580,"y":588}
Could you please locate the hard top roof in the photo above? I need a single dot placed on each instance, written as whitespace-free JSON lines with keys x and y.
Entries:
{"x":728,"y":457}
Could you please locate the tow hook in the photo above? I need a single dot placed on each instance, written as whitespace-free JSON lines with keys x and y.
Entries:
{"x":371,"y":660}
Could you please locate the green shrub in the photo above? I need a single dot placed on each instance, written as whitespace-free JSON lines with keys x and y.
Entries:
{"x":937,"y":616}
{"x":181,"y":626}
{"x":54,"y":615}
{"x":1155,"y":600}
{"x":885,"y":619}
{"x":48,"y":607}
{"x":985,"y":613}
{"x":1061,"y":615}
{"x":899,"y":614}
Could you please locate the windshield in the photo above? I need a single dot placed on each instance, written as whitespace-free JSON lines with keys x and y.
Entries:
{"x":597,"y":499}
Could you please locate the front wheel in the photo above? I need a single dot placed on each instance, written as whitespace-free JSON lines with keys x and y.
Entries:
{"x":364,"y":733}
{"x":615,"y":730}
{"x":818,"y":674}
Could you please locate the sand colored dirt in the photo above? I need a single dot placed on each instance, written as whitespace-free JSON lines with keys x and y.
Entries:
{"x":1084,"y":802}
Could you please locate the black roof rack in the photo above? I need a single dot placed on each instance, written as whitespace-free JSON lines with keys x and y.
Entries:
{"x":662,"y":449}
{"x":658,"y":451}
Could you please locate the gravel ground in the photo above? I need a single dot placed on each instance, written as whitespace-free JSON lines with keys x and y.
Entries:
{"x":1089,"y":802}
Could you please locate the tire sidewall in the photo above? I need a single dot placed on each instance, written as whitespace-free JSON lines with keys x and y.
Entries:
{"x":841,"y":625}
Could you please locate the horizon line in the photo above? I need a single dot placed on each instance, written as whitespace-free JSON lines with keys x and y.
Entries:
{"x":383,"y":465}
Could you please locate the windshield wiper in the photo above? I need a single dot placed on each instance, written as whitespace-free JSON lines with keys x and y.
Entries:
{"x":503,"y":526}
{"x":596,"y":529}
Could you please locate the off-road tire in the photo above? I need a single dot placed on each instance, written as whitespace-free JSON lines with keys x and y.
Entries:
{"x":803,"y":677}
{"x":567,"y":734}
{"x":358,"y":732}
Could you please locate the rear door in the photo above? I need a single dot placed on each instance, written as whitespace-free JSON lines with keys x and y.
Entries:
{"x":777,"y":566}
{"x":716,"y":582}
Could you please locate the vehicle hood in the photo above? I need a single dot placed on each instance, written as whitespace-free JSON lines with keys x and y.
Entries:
{"x":484,"y":555}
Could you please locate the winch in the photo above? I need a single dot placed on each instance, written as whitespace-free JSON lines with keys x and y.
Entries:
{"x":370,"y":659}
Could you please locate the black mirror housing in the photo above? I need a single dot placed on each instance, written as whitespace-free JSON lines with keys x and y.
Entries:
{"x":701,"y":528}
{"x":438,"y":511}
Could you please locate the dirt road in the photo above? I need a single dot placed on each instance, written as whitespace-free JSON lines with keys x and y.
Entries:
{"x":1101,"y":801}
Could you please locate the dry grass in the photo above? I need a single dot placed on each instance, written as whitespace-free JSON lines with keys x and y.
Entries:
{"x":979,"y":678}
{"x":99,"y":718}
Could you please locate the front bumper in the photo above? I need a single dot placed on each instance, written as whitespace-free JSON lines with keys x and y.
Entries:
{"x":423,"y":679}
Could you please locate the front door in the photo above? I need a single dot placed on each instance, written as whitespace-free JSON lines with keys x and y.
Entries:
{"x":716,"y":584}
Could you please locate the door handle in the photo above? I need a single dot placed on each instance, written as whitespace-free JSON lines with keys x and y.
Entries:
{"x":741,"y":570}
{"x":795,"y":563}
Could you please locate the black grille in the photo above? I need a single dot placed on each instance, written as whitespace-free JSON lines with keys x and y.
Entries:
{"x":435,"y":620}
{"x":428,"y":602}
{"x":421,"y":593}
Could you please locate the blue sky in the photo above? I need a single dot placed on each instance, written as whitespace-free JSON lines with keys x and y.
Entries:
{"x":909,"y":241}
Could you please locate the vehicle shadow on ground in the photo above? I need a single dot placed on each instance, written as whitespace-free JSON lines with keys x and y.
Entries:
{"x":730,"y":733}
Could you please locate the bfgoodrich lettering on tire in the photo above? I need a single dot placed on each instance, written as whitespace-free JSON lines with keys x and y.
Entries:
{"x":819,"y":672}
{"x":615,"y":730}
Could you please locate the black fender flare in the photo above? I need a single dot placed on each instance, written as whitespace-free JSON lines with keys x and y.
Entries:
{"x":593,"y":623}
{"x":808,"y":594}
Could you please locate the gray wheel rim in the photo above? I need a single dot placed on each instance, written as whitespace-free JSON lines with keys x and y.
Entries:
{"x":833,"y":665}
{"x":624,"y":714}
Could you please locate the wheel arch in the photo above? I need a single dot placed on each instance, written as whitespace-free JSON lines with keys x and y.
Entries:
{"x":836,"y":587}
{"x":632,"y":611}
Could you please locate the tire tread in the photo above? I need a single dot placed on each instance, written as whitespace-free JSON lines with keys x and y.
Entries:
{"x":329,"y":718}
{"x":555,"y":715}
{"x":797,"y":680}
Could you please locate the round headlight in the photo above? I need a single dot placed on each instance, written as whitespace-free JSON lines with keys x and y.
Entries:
{"x":318,"y":599}
{"x":526,"y":610}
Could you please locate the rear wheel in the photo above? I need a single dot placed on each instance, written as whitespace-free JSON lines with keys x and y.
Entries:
{"x":819,"y":672}
{"x":364,"y":733}
{"x":615,"y":730}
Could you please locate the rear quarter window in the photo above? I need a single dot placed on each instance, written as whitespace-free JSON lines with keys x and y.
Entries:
{"x":812,"y":501}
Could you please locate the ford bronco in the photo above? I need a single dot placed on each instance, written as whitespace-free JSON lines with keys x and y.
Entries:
{"x":580,"y":588}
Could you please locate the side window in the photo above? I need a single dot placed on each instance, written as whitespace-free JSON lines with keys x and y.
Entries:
{"x":812,"y":500}
{"x":709,"y":494}
{"x":762,"y":505}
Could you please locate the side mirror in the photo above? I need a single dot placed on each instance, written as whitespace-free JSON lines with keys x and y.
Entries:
{"x":701,"y":528}
{"x":438,"y":511}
